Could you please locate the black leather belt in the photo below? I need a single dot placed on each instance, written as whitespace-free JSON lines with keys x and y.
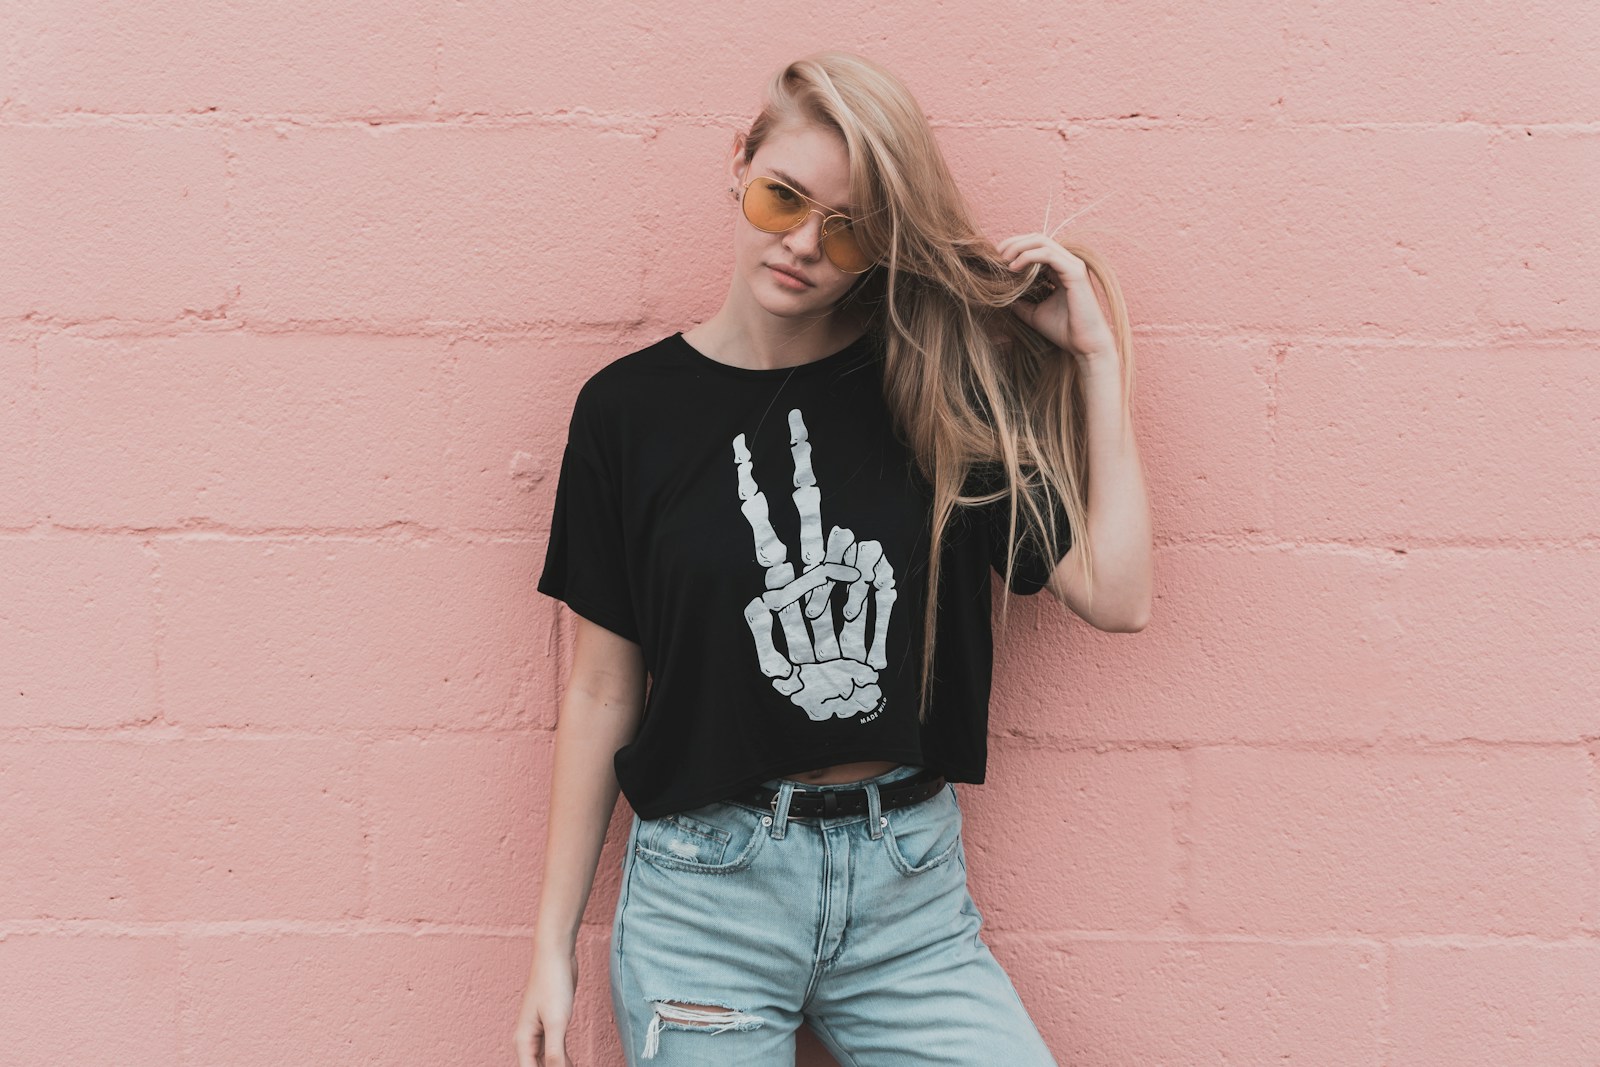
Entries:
{"x":808,"y":804}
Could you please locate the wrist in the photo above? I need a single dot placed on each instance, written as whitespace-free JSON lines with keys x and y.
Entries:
{"x":559,"y":945}
{"x":1100,"y":361}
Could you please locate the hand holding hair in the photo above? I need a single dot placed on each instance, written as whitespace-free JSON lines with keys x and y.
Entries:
{"x":1070,"y":317}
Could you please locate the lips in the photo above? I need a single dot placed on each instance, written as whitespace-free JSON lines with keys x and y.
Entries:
{"x":797,"y":276}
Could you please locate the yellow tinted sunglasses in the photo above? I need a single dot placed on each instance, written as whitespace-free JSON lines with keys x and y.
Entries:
{"x":776,"y":207}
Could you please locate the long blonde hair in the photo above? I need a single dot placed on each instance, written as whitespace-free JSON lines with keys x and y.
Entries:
{"x":968,"y":383}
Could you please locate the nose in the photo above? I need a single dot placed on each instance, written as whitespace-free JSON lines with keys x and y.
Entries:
{"x":805,"y":238}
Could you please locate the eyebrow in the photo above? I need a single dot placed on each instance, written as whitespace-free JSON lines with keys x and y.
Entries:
{"x":792,"y":180}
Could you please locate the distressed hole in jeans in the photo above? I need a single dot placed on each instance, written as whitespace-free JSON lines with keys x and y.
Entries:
{"x":709,"y":1018}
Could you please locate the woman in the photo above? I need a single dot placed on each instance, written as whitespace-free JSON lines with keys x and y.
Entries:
{"x":751,"y":513}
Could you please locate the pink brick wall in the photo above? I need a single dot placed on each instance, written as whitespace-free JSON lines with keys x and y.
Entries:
{"x":293,"y":303}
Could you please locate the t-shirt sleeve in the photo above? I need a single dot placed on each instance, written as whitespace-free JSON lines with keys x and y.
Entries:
{"x":1034,"y":563}
{"x":585,"y":565}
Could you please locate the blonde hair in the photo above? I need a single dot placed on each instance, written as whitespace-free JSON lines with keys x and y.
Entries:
{"x":968,"y":383}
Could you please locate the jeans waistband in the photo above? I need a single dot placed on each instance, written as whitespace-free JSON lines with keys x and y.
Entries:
{"x":905,"y":770}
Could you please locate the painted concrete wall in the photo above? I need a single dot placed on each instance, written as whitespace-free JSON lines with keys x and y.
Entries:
{"x":294,"y":298}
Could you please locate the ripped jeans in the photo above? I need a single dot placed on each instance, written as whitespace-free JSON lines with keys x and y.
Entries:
{"x":860,"y":926}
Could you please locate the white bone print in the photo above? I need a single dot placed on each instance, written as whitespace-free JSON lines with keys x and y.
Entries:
{"x":821,"y":671}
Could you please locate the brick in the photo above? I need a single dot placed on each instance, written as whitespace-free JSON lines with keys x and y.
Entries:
{"x":1199,"y":414}
{"x":245,"y":430}
{"x":1254,"y":644}
{"x":1182,"y":1002}
{"x":19,"y":432}
{"x":458,"y":826}
{"x":362,"y":997}
{"x":287,"y":56}
{"x":52,"y":983}
{"x":113,"y":222}
{"x":511,"y":403}
{"x":77,"y":632}
{"x":341,"y":634}
{"x":1097,"y":850}
{"x":1370,"y":60}
{"x":1497,"y":644}
{"x":1221,"y":61}
{"x":1272,"y":228}
{"x":690,"y":257}
{"x":1226,"y":60}
{"x":1545,"y":252}
{"x":191,"y":830}
{"x":1495,"y":443}
{"x":1488,"y":842}
{"x":440,"y":222}
{"x":678,"y":60}
{"x":1009,"y":177}
{"x":1489,"y":1005}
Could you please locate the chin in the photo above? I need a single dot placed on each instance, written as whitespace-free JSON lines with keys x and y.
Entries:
{"x":816,"y":295}
{"x":783,"y":302}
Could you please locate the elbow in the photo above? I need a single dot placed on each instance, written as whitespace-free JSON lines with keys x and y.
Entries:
{"x":1128,"y":620}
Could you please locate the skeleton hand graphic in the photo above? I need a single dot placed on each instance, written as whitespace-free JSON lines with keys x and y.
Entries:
{"x":823,"y":673}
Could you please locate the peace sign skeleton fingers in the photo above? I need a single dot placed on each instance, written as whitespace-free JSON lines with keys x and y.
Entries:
{"x":824,"y":673}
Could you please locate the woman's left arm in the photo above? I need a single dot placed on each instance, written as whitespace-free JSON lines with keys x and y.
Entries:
{"x":1119,"y":526}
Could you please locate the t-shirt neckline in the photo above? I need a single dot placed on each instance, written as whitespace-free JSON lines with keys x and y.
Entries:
{"x":843,"y":355}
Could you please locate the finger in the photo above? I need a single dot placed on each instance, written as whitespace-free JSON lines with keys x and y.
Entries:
{"x":866,"y":557}
{"x":1015,"y":240}
{"x":778,"y":599}
{"x":773,"y":663}
{"x":853,"y":639}
{"x":790,"y":686}
{"x":839,"y":539}
{"x":792,"y":618}
{"x":1034,"y":242}
{"x":820,"y":599}
{"x":1011,"y":245}
{"x":818,"y":603}
{"x":883,"y":587}
{"x":807,"y":497}
{"x":555,"y":1048}
{"x":1068,"y":267}
{"x":1008,"y":247}
{"x":1083,"y":309}
{"x":770,"y":551}
{"x":1033,"y":254}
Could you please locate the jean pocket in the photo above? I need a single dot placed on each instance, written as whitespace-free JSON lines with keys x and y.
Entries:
{"x":716,"y":838}
{"x":926,"y":835}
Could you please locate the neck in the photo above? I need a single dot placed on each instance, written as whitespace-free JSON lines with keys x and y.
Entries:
{"x":758,"y":340}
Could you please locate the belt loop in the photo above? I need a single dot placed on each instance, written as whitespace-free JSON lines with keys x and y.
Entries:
{"x":874,"y":811}
{"x":780,"y":810}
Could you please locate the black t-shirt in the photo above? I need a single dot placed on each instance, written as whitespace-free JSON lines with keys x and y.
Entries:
{"x":763,"y":535}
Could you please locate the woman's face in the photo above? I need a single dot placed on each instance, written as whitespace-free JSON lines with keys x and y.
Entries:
{"x":813,"y":160}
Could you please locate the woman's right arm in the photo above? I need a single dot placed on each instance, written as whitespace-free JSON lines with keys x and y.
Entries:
{"x":600,"y":713}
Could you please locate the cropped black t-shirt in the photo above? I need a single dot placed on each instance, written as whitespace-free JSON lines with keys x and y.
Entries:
{"x":763,"y":535}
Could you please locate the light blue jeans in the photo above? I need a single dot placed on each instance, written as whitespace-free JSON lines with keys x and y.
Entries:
{"x":860,"y":926}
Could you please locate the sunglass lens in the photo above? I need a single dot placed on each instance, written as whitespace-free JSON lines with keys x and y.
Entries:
{"x":844,"y":250}
{"x":772,"y":206}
